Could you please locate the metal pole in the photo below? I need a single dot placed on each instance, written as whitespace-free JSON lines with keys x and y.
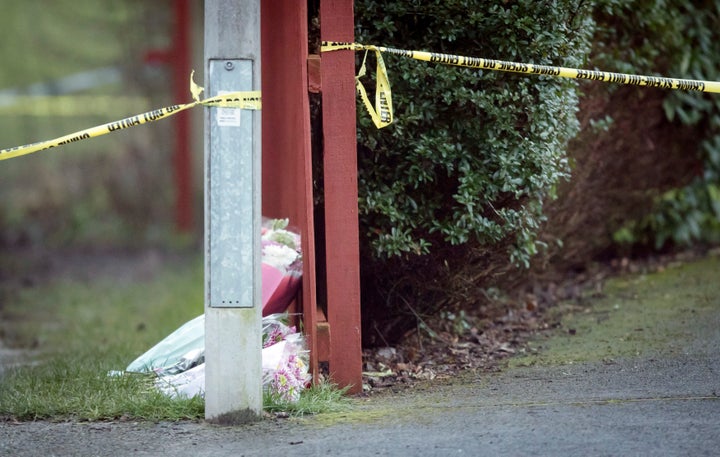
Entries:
{"x":233,"y":384}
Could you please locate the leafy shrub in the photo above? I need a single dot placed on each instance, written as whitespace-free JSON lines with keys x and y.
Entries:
{"x":473,"y":154}
{"x":453,"y":191}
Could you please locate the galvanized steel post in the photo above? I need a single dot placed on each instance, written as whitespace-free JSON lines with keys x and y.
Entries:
{"x":233,"y":384}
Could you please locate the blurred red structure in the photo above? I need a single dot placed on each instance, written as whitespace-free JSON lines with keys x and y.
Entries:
{"x":179,"y":57}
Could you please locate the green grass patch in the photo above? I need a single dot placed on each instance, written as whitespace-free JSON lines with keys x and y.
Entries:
{"x":80,"y":330}
{"x":123,"y":315}
{"x":639,"y":315}
{"x":79,"y":388}
{"x":321,"y":398}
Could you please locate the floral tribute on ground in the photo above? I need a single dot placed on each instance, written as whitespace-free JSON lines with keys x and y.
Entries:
{"x":178,"y":360}
{"x":285,"y":364}
{"x":281,"y":265}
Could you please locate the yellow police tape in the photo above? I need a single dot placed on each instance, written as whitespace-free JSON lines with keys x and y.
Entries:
{"x":250,"y":100}
{"x":382,"y":114}
{"x":382,"y":111}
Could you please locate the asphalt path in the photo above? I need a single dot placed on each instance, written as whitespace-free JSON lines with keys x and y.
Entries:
{"x":658,"y":406}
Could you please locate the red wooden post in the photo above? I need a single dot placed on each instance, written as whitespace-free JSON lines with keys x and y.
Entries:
{"x":341,"y":205}
{"x":287,"y":169}
{"x":287,"y":155}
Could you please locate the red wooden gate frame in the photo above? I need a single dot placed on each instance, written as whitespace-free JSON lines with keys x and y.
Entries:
{"x":287,"y":170}
{"x":289,"y":73}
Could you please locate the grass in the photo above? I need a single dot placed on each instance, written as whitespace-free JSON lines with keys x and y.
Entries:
{"x":117,"y":315}
{"x":321,"y":398}
{"x":81,"y":330}
{"x":639,"y":315}
{"x":75,"y":388}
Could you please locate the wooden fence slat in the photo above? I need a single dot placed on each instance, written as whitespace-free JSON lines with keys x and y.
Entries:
{"x":287,"y":155}
{"x":341,"y":206}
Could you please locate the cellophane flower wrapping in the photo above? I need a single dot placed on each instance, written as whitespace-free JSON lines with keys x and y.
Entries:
{"x":178,"y":352}
{"x":281,"y":264}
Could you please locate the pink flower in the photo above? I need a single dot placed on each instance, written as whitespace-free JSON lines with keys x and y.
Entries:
{"x":285,"y":386}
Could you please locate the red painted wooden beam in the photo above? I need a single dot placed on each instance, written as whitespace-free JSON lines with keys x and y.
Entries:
{"x":286,"y":146}
{"x":341,"y":205}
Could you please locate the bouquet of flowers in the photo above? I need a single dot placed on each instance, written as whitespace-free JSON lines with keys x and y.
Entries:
{"x":178,"y":361}
{"x":284,"y":360}
{"x":281,"y":265}
{"x":285,"y":369}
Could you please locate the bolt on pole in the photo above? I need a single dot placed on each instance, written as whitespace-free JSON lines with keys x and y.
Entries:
{"x":233,"y":334}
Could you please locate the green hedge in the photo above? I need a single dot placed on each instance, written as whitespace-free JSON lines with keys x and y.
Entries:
{"x":473,"y":154}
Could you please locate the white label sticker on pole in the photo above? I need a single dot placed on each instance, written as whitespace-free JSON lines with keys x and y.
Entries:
{"x":228,"y":117}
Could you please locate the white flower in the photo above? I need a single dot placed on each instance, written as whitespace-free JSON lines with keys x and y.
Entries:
{"x":279,"y":256}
